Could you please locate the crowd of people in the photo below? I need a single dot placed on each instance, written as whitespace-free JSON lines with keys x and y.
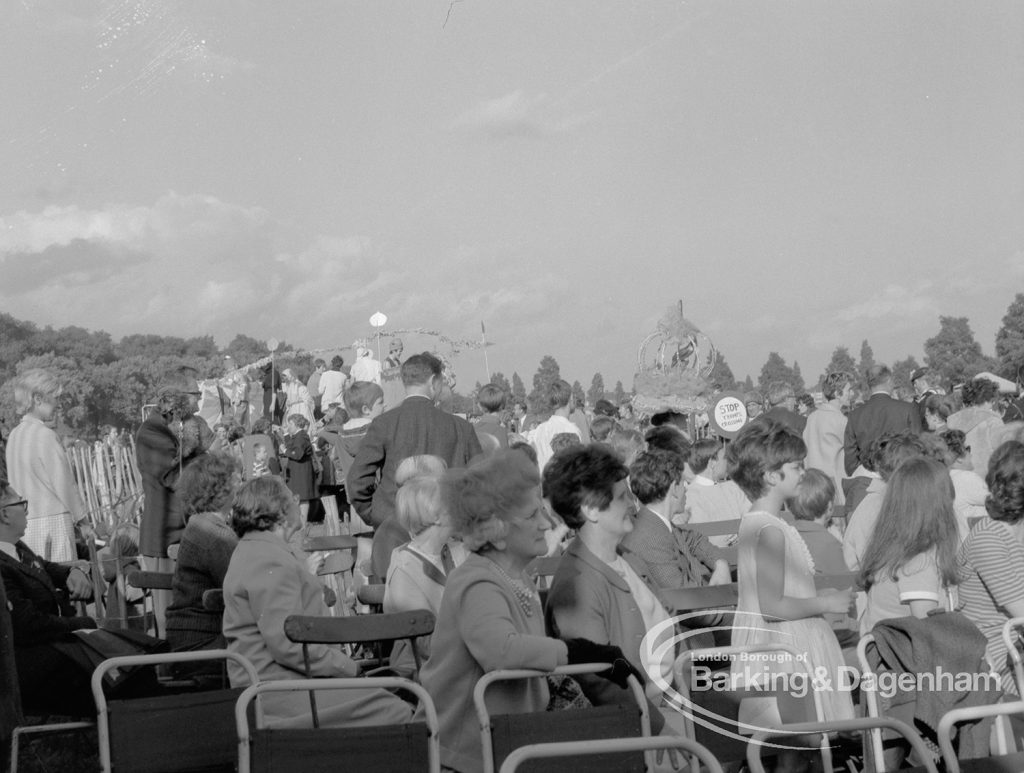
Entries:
{"x":921,"y":498}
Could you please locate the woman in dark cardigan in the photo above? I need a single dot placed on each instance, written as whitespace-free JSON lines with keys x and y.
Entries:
{"x":298,"y":449}
{"x":207,"y":488}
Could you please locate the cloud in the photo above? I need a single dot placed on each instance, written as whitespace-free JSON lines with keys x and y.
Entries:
{"x":894,"y":301}
{"x":517,"y":115}
{"x":194,"y":264}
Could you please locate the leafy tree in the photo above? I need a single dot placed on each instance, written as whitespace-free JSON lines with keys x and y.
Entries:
{"x":246,"y":349}
{"x":77,"y":343}
{"x":547,"y":374}
{"x":748,"y":384}
{"x":953,"y":353}
{"x":798,"y":379}
{"x":619,"y":395}
{"x":596,"y":391}
{"x":579,"y":394}
{"x":841,"y":362}
{"x":76,"y":396}
{"x":721,"y":373}
{"x":867,"y":360}
{"x":518,"y":388}
{"x":499,"y":380}
{"x":901,"y":370}
{"x":149,"y":345}
{"x":1010,"y":340}
{"x":775,"y":370}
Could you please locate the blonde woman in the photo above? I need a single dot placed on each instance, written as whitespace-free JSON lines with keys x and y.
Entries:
{"x":38,"y":467}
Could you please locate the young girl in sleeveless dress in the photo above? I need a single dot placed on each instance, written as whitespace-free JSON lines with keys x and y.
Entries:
{"x":778,"y":601}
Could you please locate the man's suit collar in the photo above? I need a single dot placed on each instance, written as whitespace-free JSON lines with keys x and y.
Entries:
{"x":647,"y":515}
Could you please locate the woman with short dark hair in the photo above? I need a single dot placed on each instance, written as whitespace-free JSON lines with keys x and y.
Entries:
{"x":206,"y":489}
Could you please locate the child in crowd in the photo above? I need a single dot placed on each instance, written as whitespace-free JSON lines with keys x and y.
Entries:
{"x":299,"y":474}
{"x":262,"y":462}
{"x":812,"y":511}
{"x":911,"y":557}
{"x":778,"y":602}
{"x":709,"y":496}
{"x":489,"y":430}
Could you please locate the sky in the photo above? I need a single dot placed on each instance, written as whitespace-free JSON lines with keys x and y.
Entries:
{"x":802,"y":175}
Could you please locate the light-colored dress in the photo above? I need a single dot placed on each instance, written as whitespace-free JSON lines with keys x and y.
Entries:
{"x":298,"y":400}
{"x":811,"y":637}
{"x":39,"y":470}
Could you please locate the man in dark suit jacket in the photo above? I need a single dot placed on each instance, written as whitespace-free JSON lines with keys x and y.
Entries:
{"x":880,"y":415}
{"x":414,"y":427}
{"x":678,"y":558}
{"x":42,"y":618}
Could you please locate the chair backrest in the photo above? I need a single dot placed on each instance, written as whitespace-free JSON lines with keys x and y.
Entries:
{"x":758,"y":739}
{"x":372,"y":595}
{"x":951,"y":718}
{"x":145,"y":734}
{"x":373,"y":749}
{"x":501,"y":734}
{"x":336,"y":563}
{"x":360,"y":629}
{"x":716,"y":528}
{"x":150,"y":580}
{"x":577,"y":749}
{"x":1010,"y":639}
{"x":704,"y":597}
{"x":333,"y":542}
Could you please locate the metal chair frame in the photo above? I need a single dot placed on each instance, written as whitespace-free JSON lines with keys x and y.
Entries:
{"x":102,"y":715}
{"x":484,"y":718}
{"x":577,"y":749}
{"x":254,"y":692}
{"x":952,"y":717}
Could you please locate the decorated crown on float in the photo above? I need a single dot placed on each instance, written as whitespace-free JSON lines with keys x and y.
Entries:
{"x":673,"y":366}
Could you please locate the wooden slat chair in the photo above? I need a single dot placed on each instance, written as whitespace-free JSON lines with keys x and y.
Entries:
{"x":578,"y":749}
{"x":716,"y":528}
{"x":760,"y":739}
{"x":148,"y":582}
{"x":503,"y":733}
{"x":718,"y":597}
{"x":336,"y":567}
{"x":372,"y":749}
{"x":372,"y":630}
{"x":168,"y":733}
{"x":718,"y":709}
{"x":544,"y":569}
{"x":1003,"y":761}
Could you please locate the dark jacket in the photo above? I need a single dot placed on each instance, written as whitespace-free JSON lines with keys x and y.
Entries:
{"x":881,"y":414}
{"x":40,"y":609}
{"x":590,"y":600}
{"x":156,"y":449}
{"x":414,"y":427}
{"x":10,"y":697}
{"x":945,"y":640}
{"x":299,"y":474}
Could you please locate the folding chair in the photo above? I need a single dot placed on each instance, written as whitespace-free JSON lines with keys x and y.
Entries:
{"x":54,"y":727}
{"x":501,"y":734}
{"x":759,"y":739}
{"x":716,"y":715}
{"x":1002,"y":762}
{"x":373,"y":749}
{"x":363,"y":629}
{"x":168,"y":733}
{"x":544,"y":569}
{"x":870,"y":698}
{"x":577,"y":749}
{"x":336,"y":566}
{"x":148,"y":582}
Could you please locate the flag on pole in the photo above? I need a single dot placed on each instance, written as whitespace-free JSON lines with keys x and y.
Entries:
{"x":483,"y":330}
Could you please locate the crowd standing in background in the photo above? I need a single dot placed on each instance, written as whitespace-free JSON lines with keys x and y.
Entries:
{"x":922,"y":498}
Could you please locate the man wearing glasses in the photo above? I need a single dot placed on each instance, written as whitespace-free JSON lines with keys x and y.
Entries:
{"x":39,"y":595}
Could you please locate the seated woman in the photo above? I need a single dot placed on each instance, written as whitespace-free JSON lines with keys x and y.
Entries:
{"x":991,"y":559}
{"x":206,"y":489}
{"x":490,"y":614}
{"x":419,"y":569}
{"x":267,"y":581}
{"x":601,"y":592}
